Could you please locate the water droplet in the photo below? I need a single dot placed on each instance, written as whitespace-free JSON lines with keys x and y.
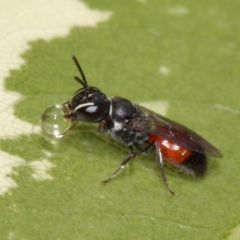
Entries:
{"x":53,"y":122}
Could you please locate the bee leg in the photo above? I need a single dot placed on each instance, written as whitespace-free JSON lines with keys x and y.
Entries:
{"x":146,"y":149}
{"x":161,"y":163}
{"x":123,"y":164}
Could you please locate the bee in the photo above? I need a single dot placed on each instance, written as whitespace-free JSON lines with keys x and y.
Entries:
{"x":139,"y":129}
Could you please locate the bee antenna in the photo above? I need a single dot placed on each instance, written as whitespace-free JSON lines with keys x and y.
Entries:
{"x":82,"y":81}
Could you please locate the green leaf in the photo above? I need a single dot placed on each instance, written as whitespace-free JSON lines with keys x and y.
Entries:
{"x":148,"y":51}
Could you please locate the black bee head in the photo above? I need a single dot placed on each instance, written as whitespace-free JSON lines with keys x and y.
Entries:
{"x":88,"y":104}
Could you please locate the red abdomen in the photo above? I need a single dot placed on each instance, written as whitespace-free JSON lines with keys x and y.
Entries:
{"x":171,"y":151}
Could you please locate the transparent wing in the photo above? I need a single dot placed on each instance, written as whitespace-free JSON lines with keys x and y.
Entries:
{"x":153,"y":123}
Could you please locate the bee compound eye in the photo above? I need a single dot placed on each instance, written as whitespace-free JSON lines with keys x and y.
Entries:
{"x":53,"y":122}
